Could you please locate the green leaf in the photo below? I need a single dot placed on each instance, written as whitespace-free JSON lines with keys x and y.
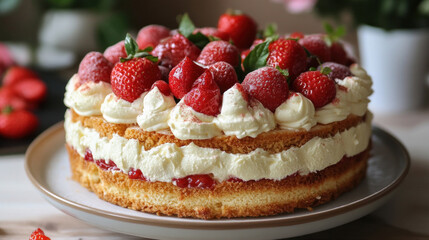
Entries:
{"x":186,"y":26}
{"x":257,"y":58}
{"x":199,"y":39}
{"x":333,"y":34}
{"x":271,"y":31}
{"x":325,"y":70}
{"x":131,"y":46}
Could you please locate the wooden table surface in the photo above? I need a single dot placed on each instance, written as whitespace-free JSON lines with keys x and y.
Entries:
{"x":405,"y":216}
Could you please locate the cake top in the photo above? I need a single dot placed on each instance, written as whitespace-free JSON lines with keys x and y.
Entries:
{"x":198,"y":83}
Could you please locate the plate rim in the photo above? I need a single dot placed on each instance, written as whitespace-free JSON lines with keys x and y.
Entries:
{"x":234,"y":223}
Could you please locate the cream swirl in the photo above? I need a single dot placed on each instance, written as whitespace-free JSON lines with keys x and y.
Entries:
{"x":334,"y":111}
{"x":297,"y":112}
{"x":156,"y":111}
{"x":117,"y":110}
{"x":186,"y":123}
{"x":86,"y":99}
{"x":241,"y":118}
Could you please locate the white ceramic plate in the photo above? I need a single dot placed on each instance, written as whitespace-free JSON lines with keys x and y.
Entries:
{"x":48,"y":169}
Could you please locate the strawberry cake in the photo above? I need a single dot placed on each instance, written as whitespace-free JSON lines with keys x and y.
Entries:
{"x":219,"y":122}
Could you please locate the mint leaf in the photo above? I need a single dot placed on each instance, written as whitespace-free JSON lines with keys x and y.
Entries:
{"x":133,"y":51}
{"x":332,"y":34}
{"x":199,"y":39}
{"x":186,"y":26}
{"x":131,"y":46}
{"x":257,"y":58}
{"x":284,"y":72}
{"x":271,"y":31}
{"x":326,"y":70}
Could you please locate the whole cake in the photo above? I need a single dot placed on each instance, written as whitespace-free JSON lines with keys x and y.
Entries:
{"x":219,"y":122}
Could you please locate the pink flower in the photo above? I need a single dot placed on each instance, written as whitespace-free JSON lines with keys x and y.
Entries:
{"x":297,"y":6}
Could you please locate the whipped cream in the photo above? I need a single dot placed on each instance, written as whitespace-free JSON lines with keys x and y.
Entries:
{"x":186,"y":123}
{"x":337,"y":110}
{"x":242,"y":119}
{"x":297,"y":112}
{"x":168,"y":161}
{"x":117,"y":110}
{"x":358,"y":92}
{"x":86,"y":99}
{"x":156,"y":111}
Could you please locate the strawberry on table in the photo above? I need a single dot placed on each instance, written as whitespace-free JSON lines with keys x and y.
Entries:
{"x":268,"y":85}
{"x":8,"y":97}
{"x":287,"y":54}
{"x":183,"y":76}
{"x":151,"y":35}
{"x":224,"y":75}
{"x":217,"y":51}
{"x":134,"y":75}
{"x":38,"y":234}
{"x":172,"y":50}
{"x":240,"y":27}
{"x":16,"y":73}
{"x":31,"y":89}
{"x":15,"y":124}
{"x":94,"y":67}
{"x":316,"y":86}
{"x":205,"y":96}
{"x":115,"y":53}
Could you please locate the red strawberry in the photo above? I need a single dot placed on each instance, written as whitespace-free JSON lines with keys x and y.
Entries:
{"x":242,"y":91}
{"x":151,"y":35}
{"x":16,"y":124}
{"x":195,"y":181}
{"x":287,"y":54}
{"x":205,"y":96}
{"x":317,"y":87}
{"x":8,"y":97}
{"x":172,"y":50}
{"x":296,"y":35}
{"x":38,"y":234}
{"x":31,"y":89}
{"x":94,"y":67}
{"x":182,"y":76}
{"x":15,"y":74}
{"x":338,"y":54}
{"x":317,"y":46}
{"x":240,"y":27}
{"x":115,"y":53}
{"x":224,"y":75}
{"x":214,"y":32}
{"x":217,"y":51}
{"x":338,"y":71}
{"x":268,"y":85}
{"x":162,"y":87}
{"x":131,"y":78}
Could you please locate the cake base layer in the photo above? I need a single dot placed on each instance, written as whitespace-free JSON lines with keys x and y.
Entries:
{"x":226,"y":199}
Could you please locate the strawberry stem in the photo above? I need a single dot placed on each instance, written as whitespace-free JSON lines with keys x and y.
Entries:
{"x":7,"y":110}
{"x":133,"y":51}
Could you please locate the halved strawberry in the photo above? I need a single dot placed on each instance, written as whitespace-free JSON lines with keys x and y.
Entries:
{"x":162,"y":87}
{"x":183,"y":76}
{"x":38,"y":234}
{"x":205,"y":96}
{"x":115,"y":53}
{"x":224,"y":75}
{"x":268,"y":85}
{"x":151,"y":35}
{"x":317,"y":87}
{"x":287,"y":54}
{"x":217,"y":51}
{"x":172,"y":50}
{"x":241,"y":28}
{"x":94,"y":67}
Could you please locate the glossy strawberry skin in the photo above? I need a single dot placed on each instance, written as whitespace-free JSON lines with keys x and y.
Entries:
{"x":296,"y":35}
{"x":172,"y":50}
{"x":183,"y":76}
{"x":38,"y":234}
{"x":15,"y":74}
{"x":32,"y":90}
{"x":8,"y":97}
{"x":131,"y":78}
{"x":214,"y":32}
{"x":94,"y":67}
{"x":268,"y":86}
{"x":205,"y":96}
{"x":287,"y":54}
{"x":317,"y":87}
{"x":151,"y":35}
{"x":241,"y":28}
{"x":18,"y":124}
{"x":224,"y":75}
{"x":217,"y":51}
{"x":162,"y":87}
{"x":115,"y":53}
{"x":317,"y":46}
